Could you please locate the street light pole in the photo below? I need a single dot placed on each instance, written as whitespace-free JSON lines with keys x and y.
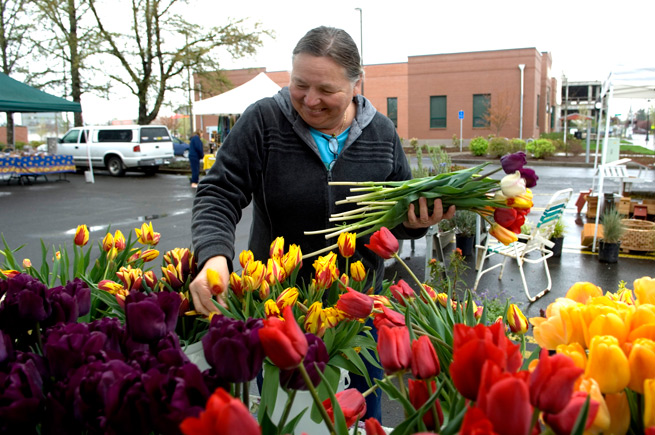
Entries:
{"x":361,"y":44}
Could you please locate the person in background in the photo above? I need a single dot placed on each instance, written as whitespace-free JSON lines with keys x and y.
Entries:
{"x":196,"y":153}
{"x":281,"y":154}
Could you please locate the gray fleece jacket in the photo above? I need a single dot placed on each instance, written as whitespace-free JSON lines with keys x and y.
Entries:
{"x":270,"y":158}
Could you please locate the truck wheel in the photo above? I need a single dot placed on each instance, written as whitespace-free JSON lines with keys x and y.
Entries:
{"x":115,"y":166}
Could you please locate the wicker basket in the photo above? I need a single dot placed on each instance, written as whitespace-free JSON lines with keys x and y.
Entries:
{"x":639,"y":235}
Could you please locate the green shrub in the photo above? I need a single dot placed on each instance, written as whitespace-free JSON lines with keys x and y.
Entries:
{"x":498,"y":146}
{"x":541,"y":148}
{"x":516,"y":145}
{"x":455,"y":140}
{"x":479,"y":146}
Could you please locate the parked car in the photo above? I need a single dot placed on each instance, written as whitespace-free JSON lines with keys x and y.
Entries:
{"x":119,"y":147}
{"x":180,"y":147}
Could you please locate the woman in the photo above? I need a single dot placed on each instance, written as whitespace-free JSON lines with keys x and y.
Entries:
{"x":282,"y":153}
{"x":196,"y":153}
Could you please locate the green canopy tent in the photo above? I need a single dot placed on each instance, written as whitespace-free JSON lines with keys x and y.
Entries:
{"x":19,"y":97}
{"x":16,"y":96}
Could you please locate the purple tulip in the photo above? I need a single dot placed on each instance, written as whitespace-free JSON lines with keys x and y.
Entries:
{"x":21,"y":397}
{"x":317,"y":355}
{"x":72,"y":345}
{"x":6,"y":348}
{"x":149,"y":317}
{"x":232,"y":348}
{"x":115,"y":333}
{"x":530,"y":177}
{"x":513,"y":162}
{"x":24,"y":304}
{"x":69,"y":302}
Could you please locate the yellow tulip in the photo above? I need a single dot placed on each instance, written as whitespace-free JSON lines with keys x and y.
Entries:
{"x":516,"y":320}
{"x":287,"y":298}
{"x":245,"y":257}
{"x":27,"y":263}
{"x":607,"y":364}
{"x":649,"y":403}
{"x":608,"y":324}
{"x":108,"y":242}
{"x":274,"y":271}
{"x":215,"y":282}
{"x":642,"y":322}
{"x":315,"y":319}
{"x":574,"y":351}
{"x":503,"y":235}
{"x":292,"y":259}
{"x":346,"y":244}
{"x":277,"y":248}
{"x":521,"y":201}
{"x":619,"y":409}
{"x":583,"y":291}
{"x":147,"y":235}
{"x":119,"y":241}
{"x":81,"y":235}
{"x":236,"y":284}
{"x":264,"y":290}
{"x":271,"y":309}
{"x":357,"y":271}
{"x":602,"y":421}
{"x":333,"y":316}
{"x":574,"y":323}
{"x":645,"y":290}
{"x":642,"y":366}
{"x":110,"y":286}
{"x":149,"y":255}
{"x":257,"y":272}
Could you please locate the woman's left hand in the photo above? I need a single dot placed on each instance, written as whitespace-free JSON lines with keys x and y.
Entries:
{"x":424,"y":218}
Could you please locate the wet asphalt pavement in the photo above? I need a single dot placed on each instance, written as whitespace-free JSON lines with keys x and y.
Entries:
{"x":51,"y":210}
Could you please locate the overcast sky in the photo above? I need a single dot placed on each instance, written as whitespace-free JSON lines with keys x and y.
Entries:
{"x":586,"y":39}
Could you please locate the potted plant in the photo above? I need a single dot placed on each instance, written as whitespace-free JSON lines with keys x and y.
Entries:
{"x":464,"y":223}
{"x":557,"y":237}
{"x":613,"y":229}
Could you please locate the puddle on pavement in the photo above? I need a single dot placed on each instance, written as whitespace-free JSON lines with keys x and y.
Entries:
{"x":151,"y":217}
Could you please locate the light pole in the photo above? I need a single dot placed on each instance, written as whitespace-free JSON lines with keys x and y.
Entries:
{"x":361,"y":44}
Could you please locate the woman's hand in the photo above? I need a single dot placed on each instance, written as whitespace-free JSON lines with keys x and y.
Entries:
{"x":424,"y":218}
{"x":201,"y":292}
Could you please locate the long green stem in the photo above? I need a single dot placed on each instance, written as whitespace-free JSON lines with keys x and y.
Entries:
{"x":245,"y":394}
{"x":411,"y":273}
{"x":535,"y":417}
{"x":291,"y":395}
{"x":433,"y":408}
{"x":401,"y":387}
{"x":317,"y":400}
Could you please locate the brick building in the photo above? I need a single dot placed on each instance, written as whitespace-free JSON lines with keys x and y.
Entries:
{"x":424,"y":95}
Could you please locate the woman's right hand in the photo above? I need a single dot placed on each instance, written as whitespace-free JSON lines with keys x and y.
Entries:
{"x":200,"y":289}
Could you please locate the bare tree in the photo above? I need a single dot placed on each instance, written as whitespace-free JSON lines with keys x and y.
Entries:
{"x":162,"y":46}
{"x":499,"y":111}
{"x":14,"y":28}
{"x":67,"y":44}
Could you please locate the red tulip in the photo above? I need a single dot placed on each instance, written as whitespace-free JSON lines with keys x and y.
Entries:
{"x":284,"y":342}
{"x":352,"y":403}
{"x":402,"y":292}
{"x":472,"y":347}
{"x":510,"y":218}
{"x":476,"y":423}
{"x":356,"y":305}
{"x":418,"y":395}
{"x":389,"y":318}
{"x":383,"y":243}
{"x":373,"y":427}
{"x":224,"y":414}
{"x":394,"y":348}
{"x":425,"y":363}
{"x":562,"y":422}
{"x":552,"y":382}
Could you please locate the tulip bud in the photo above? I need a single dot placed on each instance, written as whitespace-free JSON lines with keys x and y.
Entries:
{"x":383,"y":243}
{"x":641,"y":359}
{"x":149,"y":255}
{"x":236,"y":284}
{"x":81,"y":235}
{"x":517,"y":322}
{"x":146,"y":235}
{"x":346,"y":244}
{"x":110,"y":286}
{"x":394,"y":348}
{"x":357,"y":271}
{"x":215,"y":282}
{"x":150,"y":279}
{"x":271,"y":309}
{"x":264,"y":290}
{"x":108,"y":242}
{"x":119,"y":241}
{"x":356,"y":305}
{"x":503,"y":235}
{"x":425,"y":363}
{"x":512,"y":185}
{"x":315,"y":320}
{"x":277,"y":248}
{"x":607,"y":364}
{"x":245,"y":257}
{"x":27,"y":263}
{"x":292,"y":259}
{"x":287,"y":298}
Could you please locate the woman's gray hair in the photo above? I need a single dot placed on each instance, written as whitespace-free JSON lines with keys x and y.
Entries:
{"x":333,"y":43}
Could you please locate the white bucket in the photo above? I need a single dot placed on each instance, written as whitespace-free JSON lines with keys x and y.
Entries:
{"x":88,"y":176}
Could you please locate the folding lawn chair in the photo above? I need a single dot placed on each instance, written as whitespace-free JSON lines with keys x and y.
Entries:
{"x":536,"y":242}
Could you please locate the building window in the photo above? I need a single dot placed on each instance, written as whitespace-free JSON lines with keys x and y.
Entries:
{"x":481,"y":104}
{"x":392,"y":110}
{"x":538,"y":107}
{"x":438,"y":112}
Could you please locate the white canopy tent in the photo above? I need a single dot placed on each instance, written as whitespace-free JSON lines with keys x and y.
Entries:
{"x":623,"y":82}
{"x":236,"y":100}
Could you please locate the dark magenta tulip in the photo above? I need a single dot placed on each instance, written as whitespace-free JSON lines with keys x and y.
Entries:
{"x":513,"y":162}
{"x":21,"y":397}
{"x":149,"y":317}
{"x":383,"y":243}
{"x":68,"y":302}
{"x":24,"y":303}
{"x":316,"y":357}
{"x":530,"y":177}
{"x":233,"y":348}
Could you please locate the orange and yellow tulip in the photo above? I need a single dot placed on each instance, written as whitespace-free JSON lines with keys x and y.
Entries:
{"x":583,"y":291}
{"x":315,"y":320}
{"x":346,"y":244}
{"x":81,"y":235}
{"x":107,"y":242}
{"x":245,"y":257}
{"x":619,"y":409}
{"x":287,"y":298}
{"x":645,"y":290}
{"x":149,"y":255}
{"x":574,"y":351}
{"x":649,"y":403}
{"x":277,"y":248}
{"x":516,"y":320}
{"x":119,"y":241}
{"x":357,"y":271}
{"x":641,"y":359}
{"x":292,"y":259}
{"x":271,"y":309}
{"x":147,"y":235}
{"x":503,"y":235}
